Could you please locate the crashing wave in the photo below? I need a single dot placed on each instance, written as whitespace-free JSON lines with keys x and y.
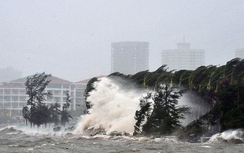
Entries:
{"x":231,"y":136}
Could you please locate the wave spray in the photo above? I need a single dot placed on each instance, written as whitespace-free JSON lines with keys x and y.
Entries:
{"x":114,"y":106}
{"x":236,"y":136}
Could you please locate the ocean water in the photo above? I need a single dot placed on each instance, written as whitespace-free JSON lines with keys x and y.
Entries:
{"x":22,"y":139}
{"x":113,"y":109}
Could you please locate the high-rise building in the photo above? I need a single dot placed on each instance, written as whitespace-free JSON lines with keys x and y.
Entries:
{"x":183,"y":57}
{"x":239,"y":53}
{"x":129,"y":57}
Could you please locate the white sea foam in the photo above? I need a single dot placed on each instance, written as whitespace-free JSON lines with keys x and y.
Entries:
{"x":229,"y":135}
{"x":42,"y":130}
{"x":114,"y":108}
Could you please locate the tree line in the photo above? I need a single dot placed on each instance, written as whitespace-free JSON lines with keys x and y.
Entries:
{"x":221,"y":86}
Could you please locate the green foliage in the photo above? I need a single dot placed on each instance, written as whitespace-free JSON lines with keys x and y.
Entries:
{"x":220,"y":85}
{"x":138,"y":78}
{"x":54,"y":113}
{"x":39,"y":113}
{"x":143,"y":113}
{"x":176,"y":79}
{"x":152,"y":80}
{"x":233,"y":119}
{"x":214,"y":79}
{"x":164,"y":116}
{"x":237,"y":74}
{"x":197,"y":77}
{"x":228,"y":99}
{"x":35,"y":86}
{"x":204,"y":81}
{"x":223,"y":86}
{"x":184,"y":79}
{"x":212,"y":117}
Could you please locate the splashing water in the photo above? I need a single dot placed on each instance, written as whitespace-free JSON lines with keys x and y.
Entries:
{"x":34,"y":131}
{"x":114,"y":108}
{"x":228,"y":136}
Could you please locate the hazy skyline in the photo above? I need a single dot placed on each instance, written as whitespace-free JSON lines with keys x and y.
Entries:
{"x":72,"y":39}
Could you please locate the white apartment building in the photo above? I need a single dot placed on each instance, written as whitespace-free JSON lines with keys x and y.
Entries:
{"x":129,"y":57}
{"x":183,"y":57}
{"x":13,"y":94}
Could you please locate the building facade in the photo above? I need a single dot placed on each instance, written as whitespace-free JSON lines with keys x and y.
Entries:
{"x":239,"y":53}
{"x":183,"y":57}
{"x":129,"y":57}
{"x":13,"y":95}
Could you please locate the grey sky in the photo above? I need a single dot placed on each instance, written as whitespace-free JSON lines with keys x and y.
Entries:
{"x":72,"y":39}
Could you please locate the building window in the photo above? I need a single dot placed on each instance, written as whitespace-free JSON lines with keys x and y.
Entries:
{"x":22,"y":91}
{"x":22,"y":98}
{"x":15,"y":91}
{"x":6,"y":98}
{"x":7,"y":91}
{"x":66,"y":86}
{"x":79,"y":94}
{"x":57,"y":99}
{"x":56,"y":92}
{"x":15,"y":105}
{"x":54,"y":85}
{"x":79,"y":86}
{"x":14,"y":98}
{"x":65,"y":92}
{"x":22,"y":104}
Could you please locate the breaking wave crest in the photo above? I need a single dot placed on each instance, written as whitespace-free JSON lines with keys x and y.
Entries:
{"x":113,"y":109}
{"x":232,"y":136}
{"x":114,"y":106}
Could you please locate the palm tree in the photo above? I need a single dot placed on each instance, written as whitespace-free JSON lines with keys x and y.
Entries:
{"x":152,"y":79}
{"x":177,"y":76}
{"x":225,"y":80}
{"x":184,"y":79}
{"x":138,"y":78}
{"x":196,"y":78}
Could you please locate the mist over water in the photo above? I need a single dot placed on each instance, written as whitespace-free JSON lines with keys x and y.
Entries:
{"x":198,"y":105}
{"x":114,"y":108}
